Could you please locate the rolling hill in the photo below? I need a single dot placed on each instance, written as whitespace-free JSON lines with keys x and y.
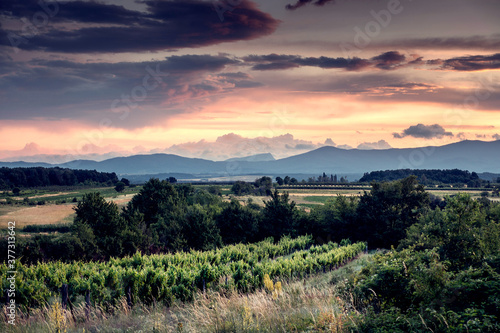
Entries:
{"x":478,"y":156}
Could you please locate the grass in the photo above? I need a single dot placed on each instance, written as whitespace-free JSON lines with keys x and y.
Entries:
{"x":311,"y":305}
{"x":308,"y":206}
{"x":46,"y":214}
{"x":67,"y":193}
{"x":318,"y":199}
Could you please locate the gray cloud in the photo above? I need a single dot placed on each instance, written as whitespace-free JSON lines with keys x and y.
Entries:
{"x":329,"y":142}
{"x":234,"y":145}
{"x":385,"y":61}
{"x":423,"y":131}
{"x":473,"y":63}
{"x":390,"y":60}
{"x":301,"y":3}
{"x":381,"y":144}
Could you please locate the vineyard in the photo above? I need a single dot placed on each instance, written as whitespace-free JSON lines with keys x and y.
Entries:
{"x":169,"y":277}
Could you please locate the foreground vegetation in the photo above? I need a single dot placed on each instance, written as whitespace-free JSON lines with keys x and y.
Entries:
{"x":441,"y":274}
{"x":166,"y":278}
{"x":310,"y":304}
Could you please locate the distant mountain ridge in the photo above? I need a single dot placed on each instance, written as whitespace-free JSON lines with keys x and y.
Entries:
{"x":253,"y":158}
{"x":478,"y":156}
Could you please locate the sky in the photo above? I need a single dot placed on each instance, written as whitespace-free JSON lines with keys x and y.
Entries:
{"x":221,"y":79}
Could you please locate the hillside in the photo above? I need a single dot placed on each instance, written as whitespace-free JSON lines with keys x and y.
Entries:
{"x":477,"y":156}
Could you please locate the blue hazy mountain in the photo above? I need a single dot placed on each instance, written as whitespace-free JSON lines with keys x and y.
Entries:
{"x":478,"y":156}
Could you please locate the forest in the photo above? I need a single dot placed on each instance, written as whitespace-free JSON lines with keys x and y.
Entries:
{"x":427,"y":177}
{"x":11,"y":178}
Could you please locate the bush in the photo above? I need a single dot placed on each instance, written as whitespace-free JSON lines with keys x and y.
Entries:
{"x":61,"y":228}
{"x":119,"y":187}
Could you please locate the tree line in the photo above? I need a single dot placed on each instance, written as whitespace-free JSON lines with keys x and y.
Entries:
{"x":426,"y":177}
{"x":38,"y":176}
{"x":165,"y":217}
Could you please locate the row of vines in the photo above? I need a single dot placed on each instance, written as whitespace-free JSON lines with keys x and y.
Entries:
{"x":168,"y":277}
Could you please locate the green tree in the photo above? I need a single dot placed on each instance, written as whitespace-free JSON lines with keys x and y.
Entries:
{"x":278,"y":216}
{"x":159,"y":210}
{"x":461,"y":232}
{"x":119,"y":187}
{"x":333,"y":221}
{"x":237,"y":224}
{"x":16,"y":191}
{"x":99,"y":222}
{"x":241,"y":188}
{"x":215,"y":190}
{"x":155,"y":199}
{"x":200,"y":229}
{"x":280,"y":181}
{"x":263,"y":186}
{"x":388,"y":210}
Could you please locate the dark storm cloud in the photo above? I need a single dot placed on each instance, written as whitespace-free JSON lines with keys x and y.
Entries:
{"x":275,"y":66}
{"x":389,"y":60}
{"x":76,"y":11}
{"x":473,"y":63}
{"x":385,"y":61}
{"x":326,"y":62}
{"x":410,"y":85}
{"x":72,"y":90}
{"x":423,"y":131}
{"x":164,"y":25}
{"x":301,"y":3}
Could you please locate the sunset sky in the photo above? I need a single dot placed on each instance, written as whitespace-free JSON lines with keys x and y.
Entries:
{"x":218,"y":79}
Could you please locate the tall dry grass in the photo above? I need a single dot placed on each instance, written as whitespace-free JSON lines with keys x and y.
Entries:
{"x":312,"y":305}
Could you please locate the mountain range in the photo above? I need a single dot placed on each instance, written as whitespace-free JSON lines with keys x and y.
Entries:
{"x":478,"y":156}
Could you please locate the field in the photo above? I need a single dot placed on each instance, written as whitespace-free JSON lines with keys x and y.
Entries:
{"x":46,"y":214}
{"x":57,"y":207}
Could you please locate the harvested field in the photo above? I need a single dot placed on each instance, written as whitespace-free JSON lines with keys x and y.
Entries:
{"x":47,"y":214}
